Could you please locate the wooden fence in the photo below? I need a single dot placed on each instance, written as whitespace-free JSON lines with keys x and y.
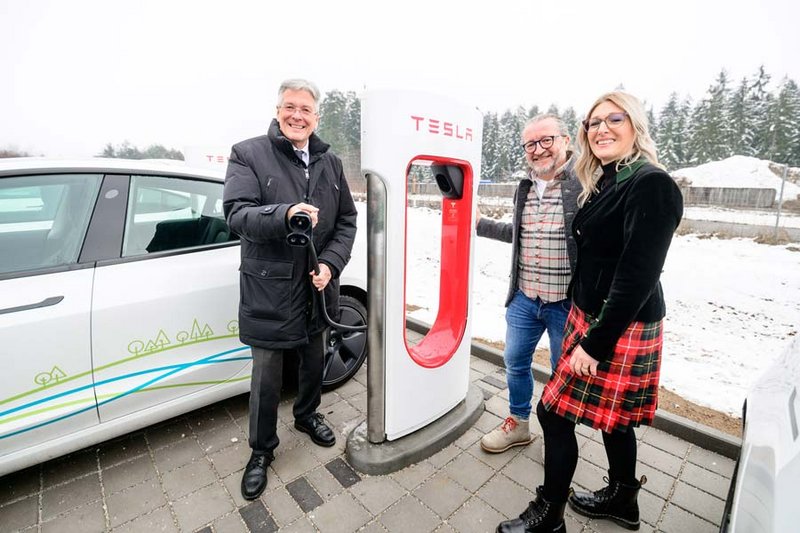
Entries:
{"x":503,"y":192}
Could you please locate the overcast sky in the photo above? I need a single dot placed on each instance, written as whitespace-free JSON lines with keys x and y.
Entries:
{"x":78,"y":74}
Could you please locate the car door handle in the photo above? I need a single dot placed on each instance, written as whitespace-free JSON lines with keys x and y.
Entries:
{"x":47,"y":302}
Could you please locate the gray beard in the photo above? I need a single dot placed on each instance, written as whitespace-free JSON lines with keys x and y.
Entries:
{"x":539,"y":172}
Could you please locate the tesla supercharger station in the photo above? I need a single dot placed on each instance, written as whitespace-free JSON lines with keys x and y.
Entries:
{"x":418,"y":394}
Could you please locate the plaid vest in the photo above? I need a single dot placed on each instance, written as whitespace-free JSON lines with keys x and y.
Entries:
{"x":543,"y":263}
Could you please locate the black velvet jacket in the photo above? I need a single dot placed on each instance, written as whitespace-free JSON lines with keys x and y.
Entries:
{"x":623,"y":233}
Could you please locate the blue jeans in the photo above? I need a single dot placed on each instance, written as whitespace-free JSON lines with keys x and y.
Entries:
{"x":526,"y":321}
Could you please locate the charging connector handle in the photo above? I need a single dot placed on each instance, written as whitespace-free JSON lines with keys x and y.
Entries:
{"x":300,"y":234}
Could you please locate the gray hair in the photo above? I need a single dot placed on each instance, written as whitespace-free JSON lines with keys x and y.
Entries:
{"x":298,"y":84}
{"x":560,"y":124}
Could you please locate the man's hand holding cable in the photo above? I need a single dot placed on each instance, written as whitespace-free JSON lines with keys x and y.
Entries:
{"x":321,"y":280}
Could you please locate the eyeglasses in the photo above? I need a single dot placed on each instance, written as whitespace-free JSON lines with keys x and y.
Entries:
{"x":612,"y":120}
{"x":545,"y":142}
{"x":291,"y":108}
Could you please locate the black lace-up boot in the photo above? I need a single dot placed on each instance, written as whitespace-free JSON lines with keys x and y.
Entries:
{"x":541,"y":516}
{"x":617,"y":502}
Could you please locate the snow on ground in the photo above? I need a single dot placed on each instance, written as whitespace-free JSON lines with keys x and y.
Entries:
{"x":737,"y":171}
{"x":732,"y":306}
{"x":762,"y":217}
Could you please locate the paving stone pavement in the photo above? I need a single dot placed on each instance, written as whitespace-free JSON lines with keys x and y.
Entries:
{"x":183,"y":476}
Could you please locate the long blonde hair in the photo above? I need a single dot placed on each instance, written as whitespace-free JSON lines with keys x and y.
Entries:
{"x":587,"y":166}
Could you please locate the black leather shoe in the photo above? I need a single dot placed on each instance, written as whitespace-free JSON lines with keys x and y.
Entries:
{"x":254,"y":480}
{"x":319,"y":431}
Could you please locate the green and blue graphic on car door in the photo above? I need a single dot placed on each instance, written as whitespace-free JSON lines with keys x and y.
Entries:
{"x":52,"y":385}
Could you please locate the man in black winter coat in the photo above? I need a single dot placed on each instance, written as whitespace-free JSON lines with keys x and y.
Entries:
{"x":269,"y":179}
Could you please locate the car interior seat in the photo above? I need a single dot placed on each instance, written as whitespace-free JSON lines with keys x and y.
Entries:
{"x":185,"y":233}
{"x":60,"y":245}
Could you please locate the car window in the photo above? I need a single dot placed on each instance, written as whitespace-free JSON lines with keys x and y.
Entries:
{"x":173,"y":213}
{"x":43,"y":219}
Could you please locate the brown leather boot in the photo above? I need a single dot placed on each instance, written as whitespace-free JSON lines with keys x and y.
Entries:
{"x":541,"y":516}
{"x":617,"y":502}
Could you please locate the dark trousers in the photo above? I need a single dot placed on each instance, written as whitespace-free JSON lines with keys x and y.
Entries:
{"x":561,"y":454}
{"x":265,"y":390}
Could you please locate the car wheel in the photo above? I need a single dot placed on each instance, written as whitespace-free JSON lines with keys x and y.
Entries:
{"x":345,"y":351}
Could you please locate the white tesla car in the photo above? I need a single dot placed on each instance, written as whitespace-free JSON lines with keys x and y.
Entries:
{"x":119,"y":290}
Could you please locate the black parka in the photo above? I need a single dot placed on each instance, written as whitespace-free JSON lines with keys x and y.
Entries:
{"x":264,"y":179}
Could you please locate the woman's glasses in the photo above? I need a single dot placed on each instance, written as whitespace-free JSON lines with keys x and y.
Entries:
{"x":612,"y":120}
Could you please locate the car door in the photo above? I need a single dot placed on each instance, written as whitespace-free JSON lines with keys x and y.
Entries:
{"x":45,"y":294}
{"x":164,"y":322}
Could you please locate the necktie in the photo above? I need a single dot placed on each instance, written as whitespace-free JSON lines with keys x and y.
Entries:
{"x":300,"y":155}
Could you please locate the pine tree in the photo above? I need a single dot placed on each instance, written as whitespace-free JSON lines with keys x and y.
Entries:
{"x":340,"y":126}
{"x":509,"y":137}
{"x":670,"y":134}
{"x":741,"y":123}
{"x":785,"y":133}
{"x":352,"y":125}
{"x":332,"y":116}
{"x":652,"y":124}
{"x":757,"y":107}
{"x":521,"y":117}
{"x":570,"y":119}
{"x":684,"y":154}
{"x":794,"y":139}
{"x":720,"y":128}
{"x":490,"y":164}
{"x":711,"y":128}
{"x":701,"y":148}
{"x":351,"y":157}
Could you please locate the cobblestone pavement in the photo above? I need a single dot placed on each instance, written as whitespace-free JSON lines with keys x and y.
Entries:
{"x":183,"y":475}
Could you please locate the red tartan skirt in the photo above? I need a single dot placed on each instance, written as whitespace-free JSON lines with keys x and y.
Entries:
{"x":625,"y":391}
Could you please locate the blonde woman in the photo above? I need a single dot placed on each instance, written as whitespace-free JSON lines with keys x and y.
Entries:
{"x":608,"y":375}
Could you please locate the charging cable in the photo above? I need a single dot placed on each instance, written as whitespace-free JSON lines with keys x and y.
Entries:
{"x":300,"y":235}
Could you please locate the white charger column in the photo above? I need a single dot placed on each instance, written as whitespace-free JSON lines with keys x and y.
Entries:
{"x":419,"y":396}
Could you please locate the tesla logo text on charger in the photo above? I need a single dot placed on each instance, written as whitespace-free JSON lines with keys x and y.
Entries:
{"x":442,"y":127}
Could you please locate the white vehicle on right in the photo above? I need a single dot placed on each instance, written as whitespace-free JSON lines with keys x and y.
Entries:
{"x":763,"y":495}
